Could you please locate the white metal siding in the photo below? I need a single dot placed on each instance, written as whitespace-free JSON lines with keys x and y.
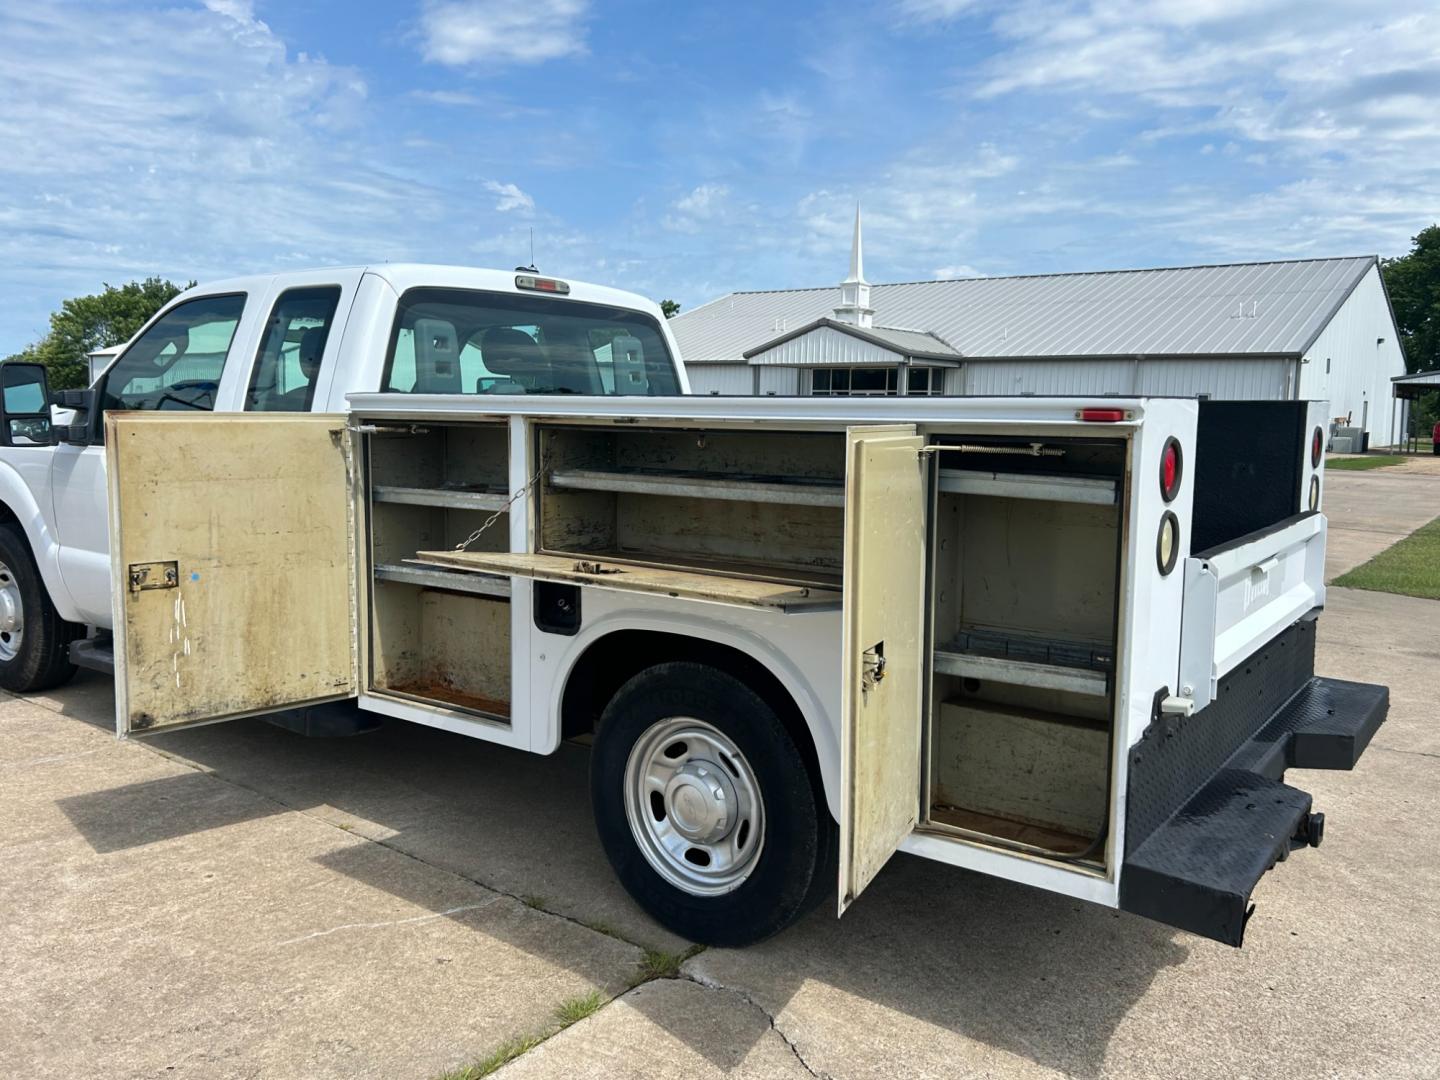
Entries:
{"x":1078,"y":377}
{"x":782,"y":381}
{"x":1226,"y":380}
{"x":721,"y":379}
{"x":826,"y":347}
{"x":1361,"y":364}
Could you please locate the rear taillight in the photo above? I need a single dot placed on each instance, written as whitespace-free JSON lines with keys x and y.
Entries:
{"x":1171,"y":463}
{"x":1167,"y":544}
{"x":1314,"y":493}
{"x":1317,"y":446}
{"x":1101,"y":416}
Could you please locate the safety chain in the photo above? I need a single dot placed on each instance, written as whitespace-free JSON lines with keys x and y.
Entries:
{"x":498,"y":514}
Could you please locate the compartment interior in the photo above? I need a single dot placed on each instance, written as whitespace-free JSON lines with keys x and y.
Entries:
{"x":756,"y":504}
{"x":1025,"y":548}
{"x":439,"y":637}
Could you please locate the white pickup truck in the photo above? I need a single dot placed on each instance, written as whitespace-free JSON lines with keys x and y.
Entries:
{"x":1066,"y":642}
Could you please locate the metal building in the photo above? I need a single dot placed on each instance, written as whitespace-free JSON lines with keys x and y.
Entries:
{"x":1312,"y":329}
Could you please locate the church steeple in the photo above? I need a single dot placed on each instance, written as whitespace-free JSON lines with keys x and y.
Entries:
{"x":855,"y":290}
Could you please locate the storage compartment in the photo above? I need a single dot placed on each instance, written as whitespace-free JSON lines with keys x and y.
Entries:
{"x":1025,"y":546}
{"x":442,"y":646}
{"x":439,"y":637}
{"x":754,"y":504}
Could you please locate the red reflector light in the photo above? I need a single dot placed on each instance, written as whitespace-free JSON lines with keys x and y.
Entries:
{"x":541,"y":284}
{"x":1170,"y":471}
{"x":1317,"y":444}
{"x":1102,"y":416}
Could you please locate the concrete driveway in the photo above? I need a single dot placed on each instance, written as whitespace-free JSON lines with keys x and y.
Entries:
{"x":239,"y":901}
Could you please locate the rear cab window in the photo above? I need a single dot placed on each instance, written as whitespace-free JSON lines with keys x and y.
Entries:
{"x":287,"y":363}
{"x":460,"y":341}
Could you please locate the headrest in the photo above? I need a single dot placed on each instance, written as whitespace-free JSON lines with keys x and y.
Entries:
{"x":312,"y":344}
{"x":507,"y":351}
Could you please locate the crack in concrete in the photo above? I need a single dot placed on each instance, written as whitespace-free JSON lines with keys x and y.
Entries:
{"x":713,"y":985}
{"x":53,"y":758}
{"x":389,"y":922}
{"x":1411,"y":753}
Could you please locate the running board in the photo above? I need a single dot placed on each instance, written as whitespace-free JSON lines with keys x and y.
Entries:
{"x":97,"y":654}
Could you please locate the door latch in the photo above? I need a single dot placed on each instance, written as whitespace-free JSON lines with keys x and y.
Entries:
{"x":872,"y":667}
{"x":154,"y":575}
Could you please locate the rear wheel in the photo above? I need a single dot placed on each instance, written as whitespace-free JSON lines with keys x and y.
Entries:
{"x":34,"y":640}
{"x":706,"y":808}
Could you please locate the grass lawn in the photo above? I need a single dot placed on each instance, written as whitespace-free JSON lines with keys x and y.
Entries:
{"x":1410,"y":567}
{"x":1370,"y":461}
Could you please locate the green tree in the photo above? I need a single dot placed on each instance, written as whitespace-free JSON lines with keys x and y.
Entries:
{"x":671,"y":308}
{"x":87,"y":323}
{"x":1413,"y":282}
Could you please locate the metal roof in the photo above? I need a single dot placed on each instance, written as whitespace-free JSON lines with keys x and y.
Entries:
{"x":1424,"y":378}
{"x":1245,"y":309}
{"x":919,"y":343}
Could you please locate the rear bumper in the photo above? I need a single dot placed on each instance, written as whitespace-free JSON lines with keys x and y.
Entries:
{"x":1201,"y":832}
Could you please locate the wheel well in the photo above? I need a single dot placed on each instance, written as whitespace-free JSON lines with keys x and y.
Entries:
{"x":610,"y":662}
{"x":9,"y":517}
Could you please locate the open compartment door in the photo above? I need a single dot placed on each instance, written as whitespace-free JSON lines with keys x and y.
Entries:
{"x":883,"y":654}
{"x":232,"y":547}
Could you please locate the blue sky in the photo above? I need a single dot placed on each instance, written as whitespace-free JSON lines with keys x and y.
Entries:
{"x":685,"y":150}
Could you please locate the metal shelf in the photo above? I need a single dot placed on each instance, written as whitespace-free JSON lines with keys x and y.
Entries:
{"x":1022,"y":672}
{"x":455,"y":581}
{"x":1097,"y":491}
{"x":796,"y":492}
{"x":450,"y":498}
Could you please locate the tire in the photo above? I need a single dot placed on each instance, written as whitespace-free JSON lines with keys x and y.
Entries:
{"x":40,"y":659}
{"x":759,"y":881}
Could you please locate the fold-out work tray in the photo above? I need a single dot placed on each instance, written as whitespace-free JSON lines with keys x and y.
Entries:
{"x":684,"y":584}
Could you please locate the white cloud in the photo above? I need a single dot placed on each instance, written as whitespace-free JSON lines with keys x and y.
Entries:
{"x":497,"y":33}
{"x":226,"y":154}
{"x":703,"y":200}
{"x":965,"y":270}
{"x":509,"y":197}
{"x":936,"y":10}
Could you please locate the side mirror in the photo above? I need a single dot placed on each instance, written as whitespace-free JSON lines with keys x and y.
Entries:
{"x":24,"y":404}
{"x":79,"y":431}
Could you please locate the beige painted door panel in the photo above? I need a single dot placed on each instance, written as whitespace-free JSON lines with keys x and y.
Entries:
{"x":883,"y":665}
{"x":232,"y":565}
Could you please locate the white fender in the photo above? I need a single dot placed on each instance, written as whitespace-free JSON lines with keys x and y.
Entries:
{"x":19,"y":496}
{"x":824,"y":732}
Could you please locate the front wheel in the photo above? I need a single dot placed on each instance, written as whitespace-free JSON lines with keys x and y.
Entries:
{"x":34,"y":640}
{"x":706,"y":808}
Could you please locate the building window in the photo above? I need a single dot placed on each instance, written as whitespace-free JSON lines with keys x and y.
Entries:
{"x":926,"y":382}
{"x":875,"y":382}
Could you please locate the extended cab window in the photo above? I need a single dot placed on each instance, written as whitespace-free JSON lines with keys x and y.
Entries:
{"x":176,"y":364}
{"x":457,"y":341}
{"x":288,"y":362}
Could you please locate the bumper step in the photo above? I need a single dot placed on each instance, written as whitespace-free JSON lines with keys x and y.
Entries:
{"x":1327,"y":725}
{"x":1197,"y":869}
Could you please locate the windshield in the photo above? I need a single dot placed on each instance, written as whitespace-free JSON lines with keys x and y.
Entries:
{"x":457,"y":341}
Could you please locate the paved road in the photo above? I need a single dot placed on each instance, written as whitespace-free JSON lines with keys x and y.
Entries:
{"x":1369,"y":511}
{"x":238,"y":901}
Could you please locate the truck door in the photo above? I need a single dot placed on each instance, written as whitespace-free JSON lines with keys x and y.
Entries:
{"x":233,"y":541}
{"x":883,"y":649}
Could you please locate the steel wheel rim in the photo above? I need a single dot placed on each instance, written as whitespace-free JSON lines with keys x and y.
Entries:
{"x":12,"y":615}
{"x":694,"y":806}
